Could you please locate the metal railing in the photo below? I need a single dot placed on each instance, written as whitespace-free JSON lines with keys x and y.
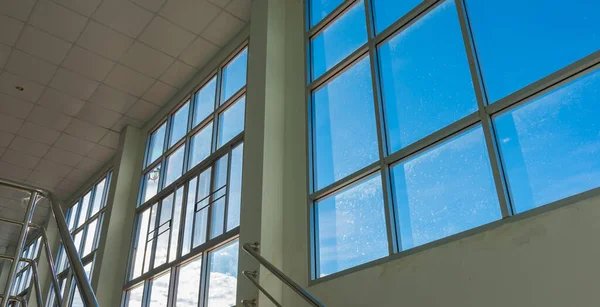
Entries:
{"x":254,"y":251}
{"x":87,"y":294}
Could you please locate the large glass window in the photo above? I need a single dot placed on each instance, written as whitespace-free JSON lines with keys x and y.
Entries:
{"x":23,"y":276}
{"x":222,"y":277}
{"x":415,"y":134}
{"x":190,"y":196}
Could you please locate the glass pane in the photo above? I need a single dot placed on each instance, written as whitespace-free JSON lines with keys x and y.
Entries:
{"x":444,"y":191}
{"x":140,"y":244}
{"x":200,"y":227}
{"x":234,"y":75}
{"x":200,"y":145}
{"x":175,"y":165}
{"x":231,"y":122}
{"x":218,"y":198}
{"x":152,"y":235}
{"x":188,"y":288}
{"x":156,"y":144}
{"x":351,"y":227}
{"x":163,"y":231}
{"x":151,"y":180}
{"x":179,"y":123}
{"x":90,"y":237}
{"x":223,"y":276}
{"x":77,"y":238}
{"x":73,"y":216}
{"x":85,"y":204}
{"x":61,"y":261}
{"x":205,"y":101}
{"x":175,"y":221}
{"x":517,"y":47}
{"x":386,"y":12}
{"x":344,"y":128}
{"x":425,"y":88}
{"x":76,"y":301}
{"x":235,"y":187}
{"x":338,"y":40}
{"x":134,"y":297}
{"x":159,"y":291}
{"x":550,"y":147}
{"x":189,"y":216}
{"x":319,"y":9}
{"x":98,"y":197}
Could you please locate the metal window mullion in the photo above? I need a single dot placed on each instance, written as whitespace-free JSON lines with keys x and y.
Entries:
{"x":486,"y":122}
{"x":339,"y":68}
{"x":406,"y":21}
{"x":333,"y":16}
{"x":204,"y":280}
{"x":172,"y":286}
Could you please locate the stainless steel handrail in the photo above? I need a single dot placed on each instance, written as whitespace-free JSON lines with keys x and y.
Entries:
{"x":36,"y":276}
{"x":253,"y":277}
{"x":19,"y":299}
{"x":254,"y":251}
{"x":87,"y":294}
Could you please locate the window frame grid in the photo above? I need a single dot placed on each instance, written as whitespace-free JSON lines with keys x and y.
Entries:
{"x":26,"y":267}
{"x":482,"y":116}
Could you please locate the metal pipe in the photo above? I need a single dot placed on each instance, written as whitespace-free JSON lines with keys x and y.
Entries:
{"x":252,"y":250}
{"x":36,"y":278}
{"x":50,"y":260}
{"x":19,"y":299}
{"x":252,"y":277}
{"x":11,"y":221}
{"x":21,"y":242}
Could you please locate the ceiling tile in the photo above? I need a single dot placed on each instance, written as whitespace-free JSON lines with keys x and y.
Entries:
{"x":9,"y":30}
{"x":193,"y":15}
{"x":14,"y":172}
{"x":31,"y":147}
{"x":2,"y":149}
{"x":50,"y":167}
{"x":19,"y":158}
{"x":32,"y":68}
{"x":178,"y":74}
{"x":69,"y":185}
{"x":124,"y":121}
{"x":111,"y":140}
{"x":31,"y":92}
{"x":86,"y":131}
{"x":17,"y":8}
{"x":48,"y":118}
{"x":63,"y":157}
{"x":240,"y":9}
{"x":142,"y":110}
{"x":112,"y":99}
{"x":43,"y":45}
{"x":43,"y":179}
{"x":199,"y":53}
{"x":79,"y":175}
{"x":14,"y":107}
{"x":10,"y":124}
{"x":98,"y":116}
{"x":221,"y":3}
{"x":104,"y":41}
{"x":57,"y":20}
{"x":73,"y":84}
{"x":89,"y":164}
{"x":101,"y":153}
{"x":166,"y":37}
{"x":38,"y":133}
{"x":85,"y":7}
{"x":128,"y":80}
{"x":223,"y":29}
{"x":88,"y":63}
{"x":159,"y":93}
{"x":6,"y":138}
{"x":139,"y":55}
{"x":152,"y":5}
{"x":123,"y":16}
{"x":4,"y":53}
{"x":61,"y":102}
{"x":73,"y":144}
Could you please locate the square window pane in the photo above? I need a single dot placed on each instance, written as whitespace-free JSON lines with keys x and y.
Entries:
{"x":222,"y":277}
{"x":188,"y":288}
{"x":139,"y":249}
{"x":351,"y":227}
{"x":386,"y":12}
{"x":150,"y":185}
{"x":425,"y":88}
{"x":234,"y":75}
{"x":179,"y":122}
{"x":231,"y":122}
{"x":85,"y":204}
{"x":98,"y":197}
{"x":200,"y":145}
{"x":134,"y":296}
{"x":156,"y":144}
{"x":174,"y":165}
{"x":319,"y":9}
{"x":159,"y":291}
{"x":338,"y":40}
{"x":344,"y":128}
{"x":550,"y":147}
{"x":90,"y":237}
{"x":204,"y":101}
{"x":517,"y":47}
{"x":235,"y":187}
{"x":445,"y":190}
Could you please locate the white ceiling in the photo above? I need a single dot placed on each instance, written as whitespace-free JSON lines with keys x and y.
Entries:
{"x":88,"y":68}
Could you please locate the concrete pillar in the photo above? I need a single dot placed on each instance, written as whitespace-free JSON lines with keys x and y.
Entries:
{"x":117,"y":228}
{"x":262,"y":192}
